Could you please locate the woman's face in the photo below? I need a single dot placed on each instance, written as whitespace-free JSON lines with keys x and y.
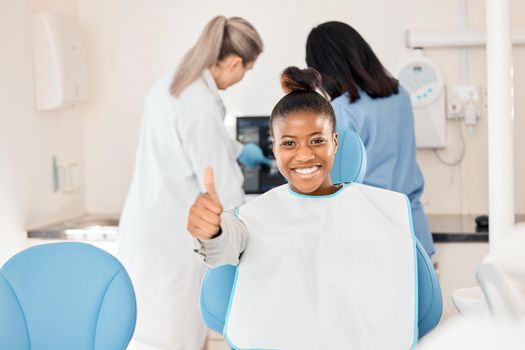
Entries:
{"x":304,"y":147}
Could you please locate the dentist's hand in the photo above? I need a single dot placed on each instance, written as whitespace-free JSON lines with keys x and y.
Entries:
{"x":205,"y":214}
{"x":252,"y":155}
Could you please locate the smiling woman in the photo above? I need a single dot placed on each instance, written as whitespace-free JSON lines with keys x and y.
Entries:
{"x":307,"y":244}
{"x":303,"y":129}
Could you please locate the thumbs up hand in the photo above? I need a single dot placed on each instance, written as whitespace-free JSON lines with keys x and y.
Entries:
{"x":205,"y":213}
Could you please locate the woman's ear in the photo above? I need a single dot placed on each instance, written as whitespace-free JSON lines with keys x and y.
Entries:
{"x":233,"y":61}
{"x":336,"y":142}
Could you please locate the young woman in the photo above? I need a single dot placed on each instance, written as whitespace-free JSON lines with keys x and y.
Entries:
{"x":316,"y":256}
{"x":182,"y":132}
{"x":369,"y":101}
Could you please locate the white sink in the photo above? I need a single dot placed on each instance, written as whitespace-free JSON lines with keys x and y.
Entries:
{"x":470,"y":302}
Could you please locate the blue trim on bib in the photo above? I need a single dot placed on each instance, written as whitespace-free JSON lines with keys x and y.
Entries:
{"x":345,"y":185}
{"x":226,"y":321}
{"x":416,"y":295}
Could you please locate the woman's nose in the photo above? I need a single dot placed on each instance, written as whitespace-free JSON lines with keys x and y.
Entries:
{"x":304,"y":153}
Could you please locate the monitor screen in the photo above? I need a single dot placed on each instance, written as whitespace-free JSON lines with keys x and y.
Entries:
{"x":256,"y":130}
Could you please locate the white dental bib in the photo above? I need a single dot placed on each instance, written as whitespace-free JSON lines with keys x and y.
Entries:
{"x":326,"y":272}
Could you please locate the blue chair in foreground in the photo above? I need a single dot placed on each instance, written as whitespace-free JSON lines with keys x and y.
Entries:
{"x":349,"y":166}
{"x":64,"y":296}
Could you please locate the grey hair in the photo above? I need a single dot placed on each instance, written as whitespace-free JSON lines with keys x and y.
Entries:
{"x":221,"y":37}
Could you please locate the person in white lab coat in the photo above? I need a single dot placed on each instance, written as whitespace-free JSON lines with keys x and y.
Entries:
{"x":182,"y":133}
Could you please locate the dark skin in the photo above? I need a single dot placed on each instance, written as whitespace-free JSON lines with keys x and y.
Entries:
{"x":304,"y":148}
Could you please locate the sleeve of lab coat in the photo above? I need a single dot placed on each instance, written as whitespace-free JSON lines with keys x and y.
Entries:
{"x":207,"y":144}
{"x":237,"y":148}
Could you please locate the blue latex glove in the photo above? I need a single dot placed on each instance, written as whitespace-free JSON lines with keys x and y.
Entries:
{"x":252,"y":155}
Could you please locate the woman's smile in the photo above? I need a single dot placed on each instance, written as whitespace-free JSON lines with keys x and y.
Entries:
{"x":307,"y":172}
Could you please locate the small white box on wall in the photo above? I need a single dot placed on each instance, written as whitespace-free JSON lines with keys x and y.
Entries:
{"x":59,"y":61}
{"x":425,"y":83}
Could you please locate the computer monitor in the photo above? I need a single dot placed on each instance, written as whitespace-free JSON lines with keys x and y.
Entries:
{"x":255,"y":129}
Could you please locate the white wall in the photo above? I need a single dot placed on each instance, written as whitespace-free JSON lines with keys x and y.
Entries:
{"x":29,"y":139}
{"x":468,"y":192}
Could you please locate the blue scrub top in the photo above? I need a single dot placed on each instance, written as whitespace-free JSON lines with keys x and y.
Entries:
{"x":386,"y":126}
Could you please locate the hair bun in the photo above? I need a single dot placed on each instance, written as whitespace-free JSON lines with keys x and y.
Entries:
{"x":295,"y":79}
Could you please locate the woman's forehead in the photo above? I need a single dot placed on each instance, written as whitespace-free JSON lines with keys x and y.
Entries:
{"x":300,"y":123}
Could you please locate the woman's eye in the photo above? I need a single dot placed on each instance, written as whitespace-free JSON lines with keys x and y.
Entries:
{"x":287,"y":143}
{"x":317,"y":140}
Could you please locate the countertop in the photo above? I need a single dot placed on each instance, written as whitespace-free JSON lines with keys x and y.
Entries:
{"x":445,"y":228}
{"x":459,"y":228}
{"x":456,"y":228}
{"x":88,"y":227}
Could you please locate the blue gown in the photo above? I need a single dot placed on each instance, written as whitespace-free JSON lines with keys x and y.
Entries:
{"x":386,"y":126}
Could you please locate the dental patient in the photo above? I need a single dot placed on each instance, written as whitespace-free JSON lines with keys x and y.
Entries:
{"x":320,"y":265}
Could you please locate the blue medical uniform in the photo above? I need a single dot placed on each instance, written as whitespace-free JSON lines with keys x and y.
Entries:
{"x":386,"y":126}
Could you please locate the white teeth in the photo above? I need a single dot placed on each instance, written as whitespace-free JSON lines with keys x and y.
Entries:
{"x":306,"y":171}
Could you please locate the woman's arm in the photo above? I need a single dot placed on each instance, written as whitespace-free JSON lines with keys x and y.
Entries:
{"x":227,"y":246}
{"x":220,"y":234}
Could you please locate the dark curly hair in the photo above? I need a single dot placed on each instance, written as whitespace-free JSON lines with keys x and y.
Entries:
{"x":300,"y":86}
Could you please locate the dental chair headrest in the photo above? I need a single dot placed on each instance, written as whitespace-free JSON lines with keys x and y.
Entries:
{"x":350,"y":159}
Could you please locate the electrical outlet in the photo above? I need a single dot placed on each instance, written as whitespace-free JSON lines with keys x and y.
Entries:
{"x":460,"y":95}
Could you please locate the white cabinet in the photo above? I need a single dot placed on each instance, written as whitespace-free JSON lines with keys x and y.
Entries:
{"x":59,"y":61}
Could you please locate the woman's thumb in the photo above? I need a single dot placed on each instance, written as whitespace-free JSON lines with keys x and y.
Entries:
{"x":209,"y":183}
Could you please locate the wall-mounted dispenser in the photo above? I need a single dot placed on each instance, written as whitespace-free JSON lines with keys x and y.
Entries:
{"x":424,"y":81}
{"x":59,"y":60}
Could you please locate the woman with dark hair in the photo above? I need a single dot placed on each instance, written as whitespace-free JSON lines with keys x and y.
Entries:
{"x":312,"y":272}
{"x":368,"y":100}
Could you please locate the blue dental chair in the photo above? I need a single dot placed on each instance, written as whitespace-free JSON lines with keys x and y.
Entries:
{"x":63,"y":296}
{"x":349,"y":165}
